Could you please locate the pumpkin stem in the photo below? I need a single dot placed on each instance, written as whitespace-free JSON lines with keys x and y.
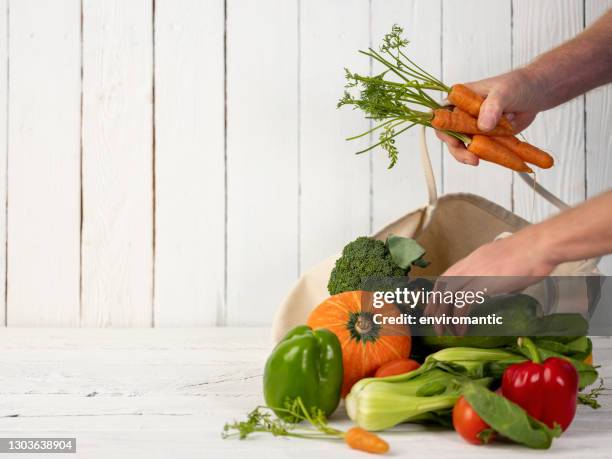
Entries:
{"x":363,"y":325}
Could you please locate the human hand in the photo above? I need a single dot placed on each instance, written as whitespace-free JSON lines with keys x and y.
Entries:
{"x":503,"y":266}
{"x":515,"y":93}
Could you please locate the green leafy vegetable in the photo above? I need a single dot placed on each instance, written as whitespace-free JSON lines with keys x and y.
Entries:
{"x":579,"y":348}
{"x":508,"y":418}
{"x":423,"y":395}
{"x":564,"y":324}
{"x":427,"y":394}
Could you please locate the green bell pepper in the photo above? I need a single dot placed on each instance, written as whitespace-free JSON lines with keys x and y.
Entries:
{"x":307,"y":364}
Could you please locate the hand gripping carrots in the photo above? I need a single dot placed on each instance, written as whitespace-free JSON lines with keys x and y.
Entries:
{"x":503,"y":148}
{"x":394,"y":99}
{"x":467,"y":100}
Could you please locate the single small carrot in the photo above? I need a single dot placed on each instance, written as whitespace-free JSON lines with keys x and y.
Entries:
{"x":467,"y":100}
{"x":488,"y":149}
{"x":526,"y":151}
{"x":589,"y":359}
{"x":396,"y":367}
{"x":470,"y":101}
{"x":361,"y":439}
{"x":462,"y":122}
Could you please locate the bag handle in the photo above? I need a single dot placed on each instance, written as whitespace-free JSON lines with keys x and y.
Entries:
{"x":554,"y":200}
{"x":430,"y":178}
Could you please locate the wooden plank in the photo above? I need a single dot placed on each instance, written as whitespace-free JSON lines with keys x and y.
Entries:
{"x":599,"y":130}
{"x":470,"y":54}
{"x":148,"y":391}
{"x":403,"y":189}
{"x":4,"y":59}
{"x":189,"y":162}
{"x":117,"y":252}
{"x":539,"y":26}
{"x":44,"y":158}
{"x":335,"y":184}
{"x":261,"y":157}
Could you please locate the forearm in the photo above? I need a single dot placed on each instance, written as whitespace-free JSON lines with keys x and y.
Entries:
{"x":575,"y":67}
{"x":584,"y":231}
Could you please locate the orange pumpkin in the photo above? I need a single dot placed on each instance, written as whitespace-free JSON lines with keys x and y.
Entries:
{"x":365,"y":345}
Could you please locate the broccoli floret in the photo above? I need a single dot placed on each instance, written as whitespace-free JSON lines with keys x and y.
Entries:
{"x":361,"y":259}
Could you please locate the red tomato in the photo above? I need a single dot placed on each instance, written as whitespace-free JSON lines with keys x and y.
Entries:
{"x":396,"y":367}
{"x":468,"y":424}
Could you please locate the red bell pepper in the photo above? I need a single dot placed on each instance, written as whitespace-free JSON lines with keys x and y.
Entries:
{"x":548,"y":391}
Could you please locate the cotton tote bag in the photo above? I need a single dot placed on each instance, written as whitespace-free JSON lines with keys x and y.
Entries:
{"x":449,"y":227}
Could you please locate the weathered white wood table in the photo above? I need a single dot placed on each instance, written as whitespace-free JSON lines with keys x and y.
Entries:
{"x":168,"y":392}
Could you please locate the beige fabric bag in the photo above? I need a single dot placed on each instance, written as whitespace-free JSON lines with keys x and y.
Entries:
{"x":449,"y":227}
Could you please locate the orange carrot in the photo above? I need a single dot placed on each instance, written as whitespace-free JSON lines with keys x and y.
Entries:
{"x":526,"y":151}
{"x":462,"y":122}
{"x":463,"y":97}
{"x":503,"y":121}
{"x":469,"y":101}
{"x":488,"y":149}
{"x":361,"y":439}
{"x":396,"y":367}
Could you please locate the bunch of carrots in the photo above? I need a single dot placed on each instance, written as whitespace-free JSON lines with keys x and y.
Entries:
{"x":498,"y":145}
{"x":391,"y":104}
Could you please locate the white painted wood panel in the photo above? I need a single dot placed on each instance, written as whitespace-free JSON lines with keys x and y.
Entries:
{"x":166,"y":202}
{"x":117,"y":163}
{"x":539,"y":26}
{"x":262,"y":173}
{"x":4,"y":60}
{"x":335,"y":199}
{"x":403,"y":189}
{"x":470,"y":54}
{"x":189,"y":162}
{"x":599,"y":130}
{"x":43,"y":157}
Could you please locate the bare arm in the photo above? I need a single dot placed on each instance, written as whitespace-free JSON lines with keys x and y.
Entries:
{"x":584,"y":231}
{"x":575,"y":67}
{"x":557,"y":76}
{"x":520,"y":260}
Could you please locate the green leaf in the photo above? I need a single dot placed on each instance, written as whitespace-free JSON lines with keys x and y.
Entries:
{"x":562,"y":324}
{"x":579,"y":349}
{"x":431,"y":389}
{"x":404,"y":251}
{"x":509,"y":419}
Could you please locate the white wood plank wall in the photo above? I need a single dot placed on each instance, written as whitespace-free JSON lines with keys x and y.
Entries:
{"x":489,"y":47}
{"x":44,"y":137}
{"x":3,"y":149}
{"x":117,"y":172}
{"x":189,"y":162}
{"x":181,"y":162}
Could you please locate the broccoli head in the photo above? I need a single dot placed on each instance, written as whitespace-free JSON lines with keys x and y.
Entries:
{"x":361,"y":259}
